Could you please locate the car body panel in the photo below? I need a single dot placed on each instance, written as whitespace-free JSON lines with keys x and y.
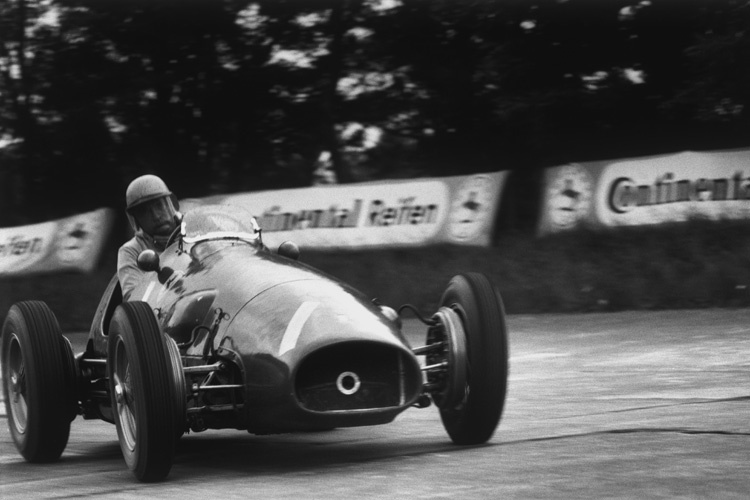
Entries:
{"x":308,"y":350}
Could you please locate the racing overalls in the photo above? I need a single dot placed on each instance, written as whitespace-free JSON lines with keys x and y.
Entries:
{"x":128,"y":272}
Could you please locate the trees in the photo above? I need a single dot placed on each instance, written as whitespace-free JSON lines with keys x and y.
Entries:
{"x":226,"y":95}
{"x":714,"y":91}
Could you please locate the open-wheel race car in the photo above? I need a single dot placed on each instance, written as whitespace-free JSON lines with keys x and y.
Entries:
{"x":224,"y":333}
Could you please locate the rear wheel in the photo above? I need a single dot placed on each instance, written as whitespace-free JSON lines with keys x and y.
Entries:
{"x":142,"y":389}
{"x":39,"y":381}
{"x":472,"y":415}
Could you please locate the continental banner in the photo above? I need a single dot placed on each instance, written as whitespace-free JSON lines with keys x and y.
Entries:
{"x":70,"y":244}
{"x":651,"y":190}
{"x":458,"y":209}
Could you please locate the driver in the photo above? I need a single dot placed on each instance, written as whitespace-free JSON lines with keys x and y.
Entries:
{"x":152,"y":210}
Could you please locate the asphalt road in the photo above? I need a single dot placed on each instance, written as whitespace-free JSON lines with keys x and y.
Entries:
{"x":626,"y":405}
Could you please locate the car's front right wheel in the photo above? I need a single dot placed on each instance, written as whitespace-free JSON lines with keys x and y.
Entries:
{"x":473,"y":416}
{"x":142,"y":391}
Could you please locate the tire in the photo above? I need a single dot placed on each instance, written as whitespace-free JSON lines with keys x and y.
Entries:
{"x":179,"y":386}
{"x":142,"y":390}
{"x":479,"y":305}
{"x":39,"y":381}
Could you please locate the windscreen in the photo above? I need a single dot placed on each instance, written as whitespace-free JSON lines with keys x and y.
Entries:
{"x":212,"y":222}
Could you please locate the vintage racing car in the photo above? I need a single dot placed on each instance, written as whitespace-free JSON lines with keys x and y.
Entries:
{"x":224,"y":333}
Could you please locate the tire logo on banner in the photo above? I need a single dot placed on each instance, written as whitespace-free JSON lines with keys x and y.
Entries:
{"x":470,"y":207}
{"x":75,"y":241}
{"x":569,"y":196}
{"x":73,"y":244}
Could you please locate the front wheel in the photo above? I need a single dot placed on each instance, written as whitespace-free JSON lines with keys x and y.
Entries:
{"x":142,"y":389}
{"x":39,"y":381}
{"x":473,"y":415}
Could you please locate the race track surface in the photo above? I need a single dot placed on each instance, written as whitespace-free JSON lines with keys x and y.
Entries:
{"x":620,"y":405}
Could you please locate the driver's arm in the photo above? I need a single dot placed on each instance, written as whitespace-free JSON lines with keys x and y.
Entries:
{"x":128,"y":271}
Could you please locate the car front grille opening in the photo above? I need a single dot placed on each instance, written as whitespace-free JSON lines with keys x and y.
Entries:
{"x":352,"y":376}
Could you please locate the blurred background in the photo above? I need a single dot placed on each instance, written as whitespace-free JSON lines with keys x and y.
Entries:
{"x":227,"y":96}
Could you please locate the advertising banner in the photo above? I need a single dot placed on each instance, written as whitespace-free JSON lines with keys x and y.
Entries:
{"x":675,"y":188}
{"x":567,"y":198}
{"x":70,"y":244}
{"x":652,"y":190}
{"x":459,"y":209}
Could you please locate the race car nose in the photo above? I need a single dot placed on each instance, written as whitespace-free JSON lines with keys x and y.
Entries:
{"x":357,"y":375}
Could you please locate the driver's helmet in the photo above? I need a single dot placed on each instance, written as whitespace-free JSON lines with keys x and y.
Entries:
{"x":146,"y":188}
{"x":143,"y":189}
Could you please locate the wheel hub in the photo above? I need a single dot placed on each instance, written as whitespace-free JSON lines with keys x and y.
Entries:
{"x":451,"y":379}
{"x":119,"y":393}
{"x":15,"y":387}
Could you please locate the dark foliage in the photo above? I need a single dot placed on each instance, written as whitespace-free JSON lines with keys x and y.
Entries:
{"x":201,"y":92}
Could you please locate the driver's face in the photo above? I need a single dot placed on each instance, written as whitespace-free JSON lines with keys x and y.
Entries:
{"x":156,"y":217}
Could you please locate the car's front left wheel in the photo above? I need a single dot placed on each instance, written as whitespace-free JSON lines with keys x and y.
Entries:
{"x":142,"y":389}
